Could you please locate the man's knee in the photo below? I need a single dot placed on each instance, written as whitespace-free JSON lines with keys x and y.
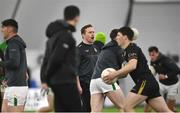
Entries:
{"x":121,"y":105}
{"x":128,"y":107}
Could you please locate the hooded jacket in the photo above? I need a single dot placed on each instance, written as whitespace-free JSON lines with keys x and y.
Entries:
{"x":166,"y":66}
{"x":59,"y":64}
{"x":109,"y":57}
{"x":15,"y":62}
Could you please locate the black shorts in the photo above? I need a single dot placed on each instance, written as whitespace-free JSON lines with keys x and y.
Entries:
{"x":147,"y":88}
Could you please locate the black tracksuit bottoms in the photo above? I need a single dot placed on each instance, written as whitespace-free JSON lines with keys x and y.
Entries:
{"x":86,"y":96}
{"x":66,"y":98}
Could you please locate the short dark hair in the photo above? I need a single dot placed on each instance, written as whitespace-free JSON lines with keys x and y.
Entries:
{"x":113,"y":33}
{"x":128,"y":32}
{"x":153,"y":48}
{"x":70,"y":12}
{"x":10,"y":22}
{"x":83,"y":29}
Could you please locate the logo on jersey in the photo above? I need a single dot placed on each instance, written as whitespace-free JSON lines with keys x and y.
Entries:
{"x":124,"y":54}
{"x":87,"y":50}
{"x":132,"y":55}
{"x":80,"y":46}
{"x":66,"y":46}
{"x":95,"y":50}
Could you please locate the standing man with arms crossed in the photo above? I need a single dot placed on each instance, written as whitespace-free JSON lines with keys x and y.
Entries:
{"x":146,"y":87}
{"x":168,"y":79}
{"x":60,"y":72}
{"x":87,"y":55}
{"x":15,"y":65}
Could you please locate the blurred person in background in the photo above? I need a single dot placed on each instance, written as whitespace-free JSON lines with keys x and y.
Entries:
{"x":35,"y":72}
{"x":15,"y":65}
{"x":167,"y":71}
{"x":45,"y":90}
{"x":3,"y":46}
{"x":88,"y":51}
{"x":2,"y":74}
{"x":59,"y":65}
{"x":31,"y":83}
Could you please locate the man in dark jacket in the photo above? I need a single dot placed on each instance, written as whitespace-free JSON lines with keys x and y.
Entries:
{"x":15,"y":65}
{"x":167,"y":71}
{"x":109,"y":57}
{"x":88,"y":51}
{"x":59,"y":66}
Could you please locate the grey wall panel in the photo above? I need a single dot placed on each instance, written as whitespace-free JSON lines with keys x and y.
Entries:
{"x":158,"y":25}
{"x":34,"y":15}
{"x":6,"y":10}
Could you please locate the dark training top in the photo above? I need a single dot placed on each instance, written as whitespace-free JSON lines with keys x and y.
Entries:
{"x":166,"y":66}
{"x":87,"y":57}
{"x":109,"y":57}
{"x":59,"y":64}
{"x":142,"y":71}
{"x":15,"y":62}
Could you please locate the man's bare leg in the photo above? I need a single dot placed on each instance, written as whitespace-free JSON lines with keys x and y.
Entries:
{"x":132,"y":100}
{"x":159,"y":104}
{"x":5,"y":106}
{"x":16,"y":108}
{"x":171,"y":102}
{"x":117,"y":98}
{"x":147,"y":108}
{"x":97,"y":102}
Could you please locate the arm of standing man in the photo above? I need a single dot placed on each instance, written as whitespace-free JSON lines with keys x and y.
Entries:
{"x":172,"y":67}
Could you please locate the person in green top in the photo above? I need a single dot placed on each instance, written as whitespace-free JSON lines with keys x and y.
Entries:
{"x":3,"y":47}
